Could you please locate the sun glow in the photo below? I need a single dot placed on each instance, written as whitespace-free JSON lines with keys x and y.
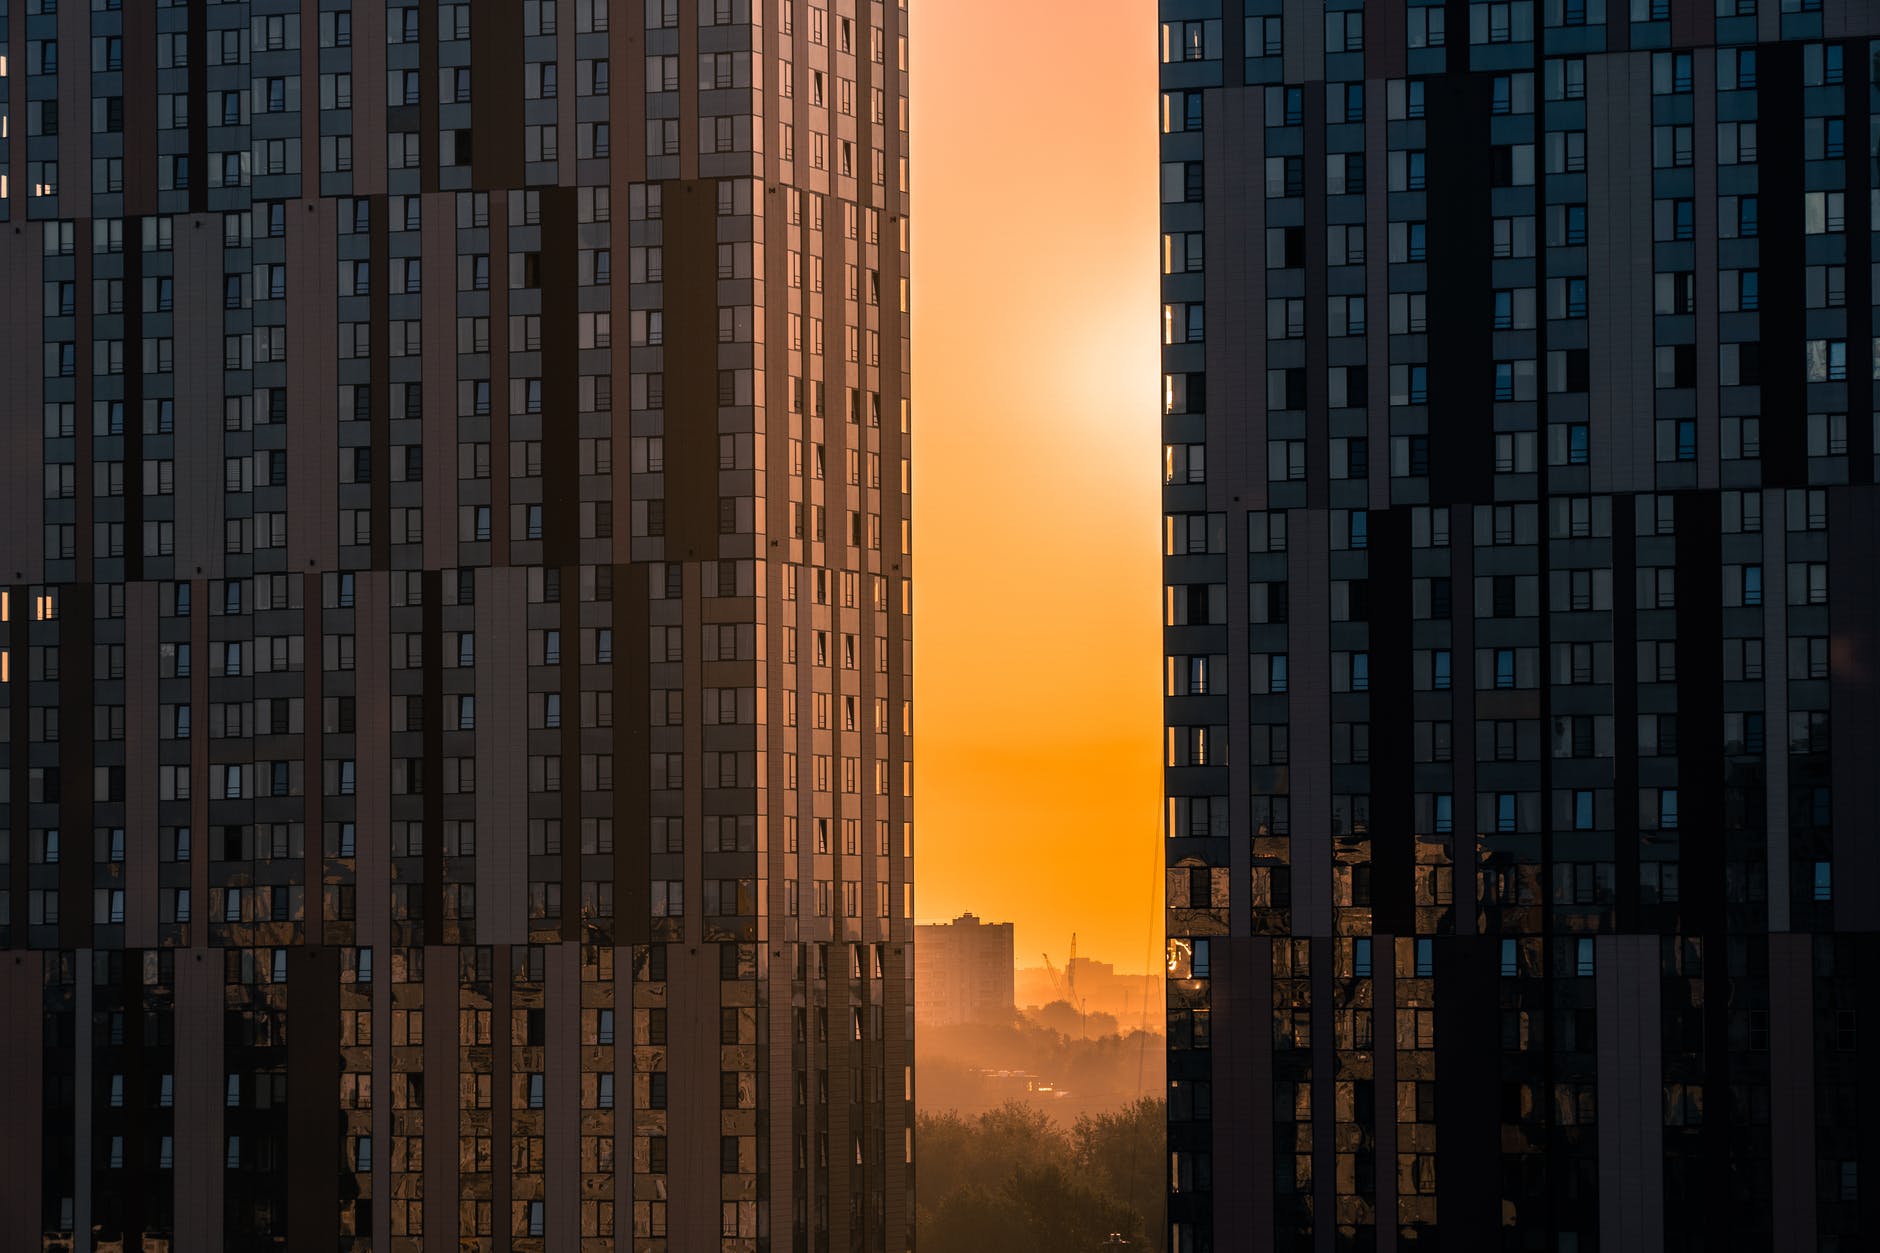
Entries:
{"x":1035,"y":327}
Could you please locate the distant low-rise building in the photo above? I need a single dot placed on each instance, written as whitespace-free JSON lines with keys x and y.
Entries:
{"x":963,"y":972}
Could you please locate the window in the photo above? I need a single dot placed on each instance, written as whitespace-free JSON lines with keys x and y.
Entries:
{"x":1512,"y":93}
{"x":1822,"y":64}
{"x":1427,"y":27}
{"x":1827,"y":360}
{"x":1405,"y":98}
{"x":1265,"y":36}
{"x":1739,"y":291}
{"x":1671,"y":73}
{"x":1512,"y":237}
{"x":1182,"y":182}
{"x":1736,"y":69}
{"x":1188,"y":41}
{"x":1344,"y":31}
{"x":1506,"y":21}
{"x":1824,"y":212}
{"x":1827,"y":434}
{"x":1565,"y":78}
{"x":1181,"y":110}
{"x":1285,"y":106}
{"x":1736,"y":143}
{"x":1826,"y":286}
{"x":1672,"y":146}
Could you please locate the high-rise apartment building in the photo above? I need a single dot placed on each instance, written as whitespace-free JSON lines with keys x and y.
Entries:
{"x":455,"y":647}
{"x":1519,"y":468}
{"x":963,"y":973}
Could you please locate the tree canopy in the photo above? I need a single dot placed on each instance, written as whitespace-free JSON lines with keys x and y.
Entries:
{"x":1013,"y":1178}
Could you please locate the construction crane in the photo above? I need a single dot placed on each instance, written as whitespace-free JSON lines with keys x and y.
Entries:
{"x":1057,"y":984}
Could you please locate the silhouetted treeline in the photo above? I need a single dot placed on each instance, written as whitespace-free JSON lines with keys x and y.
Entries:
{"x":1012,"y":1178}
{"x":977,"y":1068}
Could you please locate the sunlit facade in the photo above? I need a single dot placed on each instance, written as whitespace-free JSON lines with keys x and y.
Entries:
{"x":457,"y":760}
{"x":1520,"y":542}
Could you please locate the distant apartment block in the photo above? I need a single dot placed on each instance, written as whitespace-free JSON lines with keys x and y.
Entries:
{"x":963,"y":972}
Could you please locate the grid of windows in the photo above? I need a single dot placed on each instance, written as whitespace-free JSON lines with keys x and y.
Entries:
{"x":1519,"y":472}
{"x":440,"y":477}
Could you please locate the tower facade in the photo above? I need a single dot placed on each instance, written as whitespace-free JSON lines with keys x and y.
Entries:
{"x":457,"y":779}
{"x":1519,"y":466}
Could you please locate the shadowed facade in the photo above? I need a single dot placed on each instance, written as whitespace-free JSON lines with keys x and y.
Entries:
{"x":1519,"y":480}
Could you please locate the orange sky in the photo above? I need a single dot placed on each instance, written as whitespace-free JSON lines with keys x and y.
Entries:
{"x":1037,"y":688}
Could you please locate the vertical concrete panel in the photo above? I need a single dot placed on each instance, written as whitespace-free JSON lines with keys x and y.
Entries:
{"x":18,"y":191}
{"x":1704,"y":268}
{"x":373,"y":746}
{"x":314,"y":747}
{"x":1629,"y":1094}
{"x":22,"y":1087}
{"x":197,"y":348}
{"x":199,"y":924}
{"x":312,"y":395}
{"x":629,"y":995}
{"x":692,"y":1117}
{"x":1776,"y":702}
{"x":1234,"y":217}
{"x":1309,"y":703}
{"x":309,"y":116}
{"x":1242,"y":1027}
{"x":499,"y":359}
{"x":313,"y":1059}
{"x":1768,"y":23}
{"x":369,"y":92}
{"x":382,"y":1105}
{"x":442,"y":1061}
{"x":1377,"y":287}
{"x":1384,"y":1085}
{"x":74,"y":143}
{"x":1235,"y":429}
{"x":1324,"y":1103}
{"x":199,"y":1099}
{"x":502,"y":1071}
{"x":141,"y":729}
{"x":502,"y":867}
{"x":1462,"y":844}
{"x":1618,"y":229}
{"x":1259,"y":966}
{"x":22,"y":490}
{"x":781,"y":1096}
{"x":566,"y":103}
{"x":82,"y":1102}
{"x":373,"y":834}
{"x":1854,"y":661}
{"x":1303,"y":24}
{"x":691,"y":361}
{"x":440,"y":374}
{"x":1792,"y":1092}
{"x":562,"y":1219}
